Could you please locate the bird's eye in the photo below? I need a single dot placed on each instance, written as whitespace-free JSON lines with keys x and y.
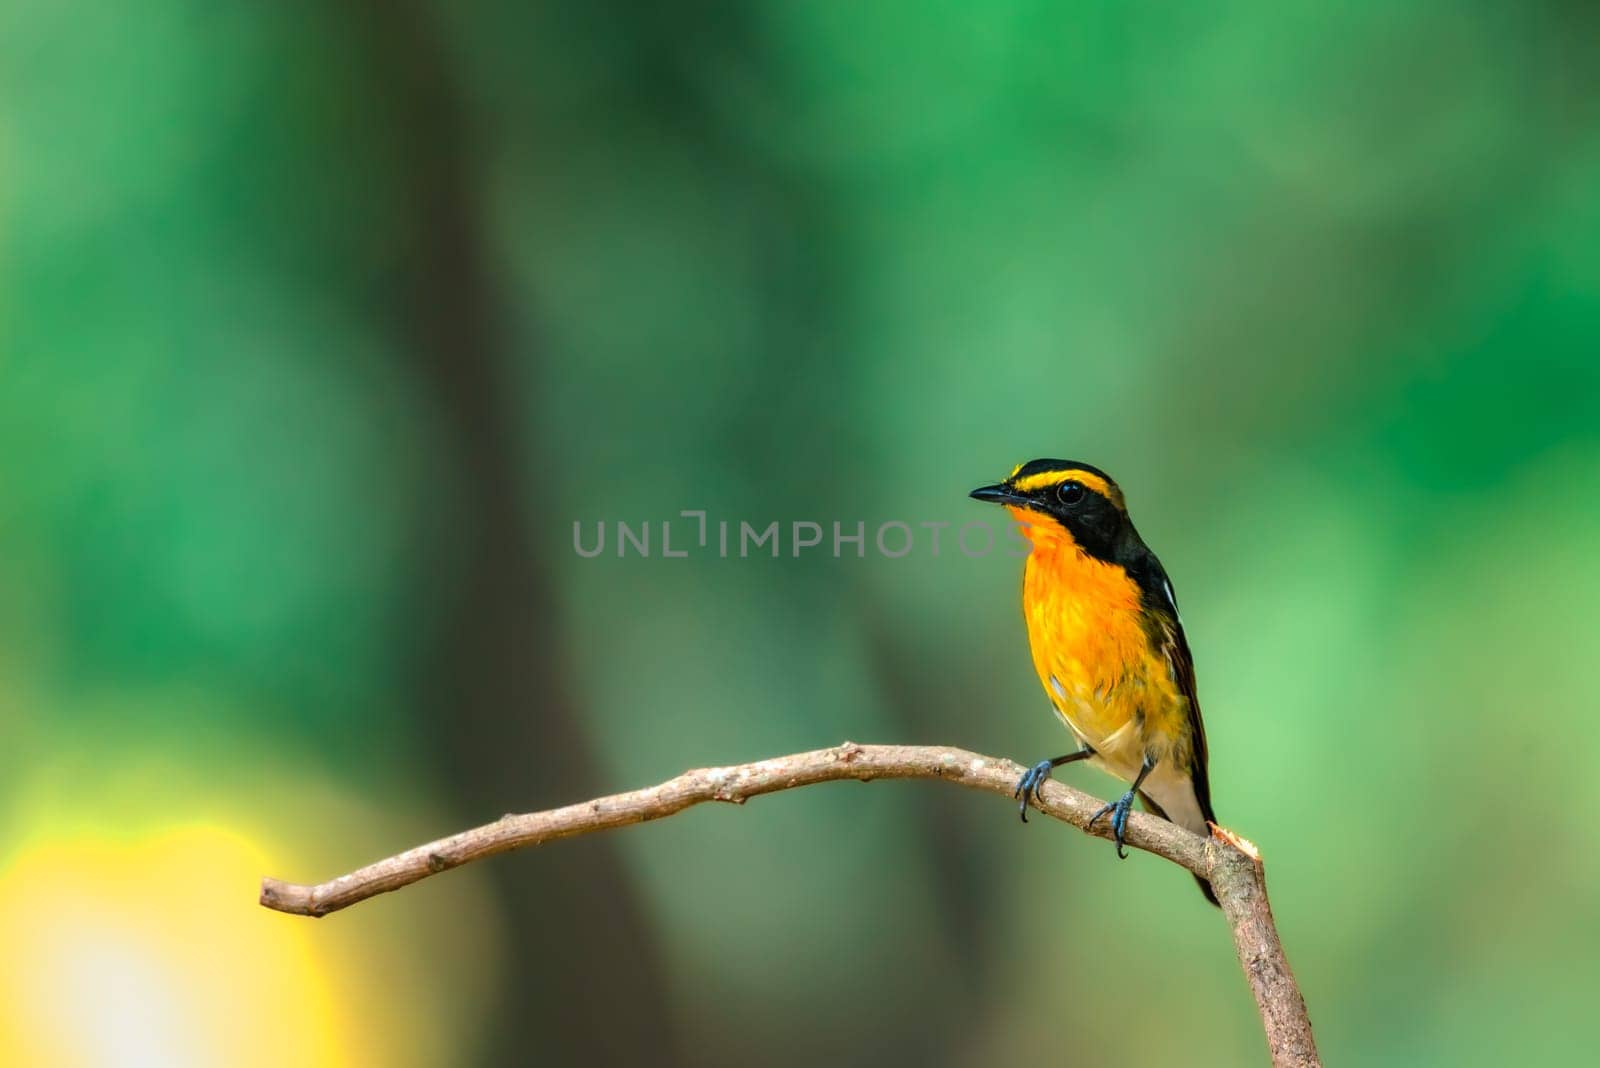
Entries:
{"x":1071,"y":492}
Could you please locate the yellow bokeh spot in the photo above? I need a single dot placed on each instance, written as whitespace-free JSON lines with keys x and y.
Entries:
{"x":131,"y":933}
{"x":151,"y":951}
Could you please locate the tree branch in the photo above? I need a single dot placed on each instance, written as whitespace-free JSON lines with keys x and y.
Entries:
{"x":1230,"y":864}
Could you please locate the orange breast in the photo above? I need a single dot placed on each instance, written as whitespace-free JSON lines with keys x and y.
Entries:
{"x":1092,"y":653}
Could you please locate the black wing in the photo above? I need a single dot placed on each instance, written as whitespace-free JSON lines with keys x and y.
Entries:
{"x":1180,"y":662}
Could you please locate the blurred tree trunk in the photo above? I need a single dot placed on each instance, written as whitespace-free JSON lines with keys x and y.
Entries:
{"x":588,"y":986}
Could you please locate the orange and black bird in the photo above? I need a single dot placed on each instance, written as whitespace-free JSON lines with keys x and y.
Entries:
{"x":1108,"y":644}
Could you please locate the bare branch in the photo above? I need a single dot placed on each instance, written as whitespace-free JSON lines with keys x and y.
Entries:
{"x":1230,"y":864}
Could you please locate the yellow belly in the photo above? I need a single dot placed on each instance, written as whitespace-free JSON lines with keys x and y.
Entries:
{"x":1096,"y":663}
{"x":1125,"y":720}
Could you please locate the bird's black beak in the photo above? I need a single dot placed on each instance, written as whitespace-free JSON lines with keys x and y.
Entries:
{"x":998,"y":494}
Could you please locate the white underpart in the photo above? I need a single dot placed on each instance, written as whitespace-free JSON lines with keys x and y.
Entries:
{"x":1174,"y":792}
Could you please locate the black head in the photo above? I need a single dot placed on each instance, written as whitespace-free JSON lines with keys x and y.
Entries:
{"x":1079,"y":497}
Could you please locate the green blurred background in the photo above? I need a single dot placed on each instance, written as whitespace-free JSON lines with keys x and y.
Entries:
{"x":321,"y":323}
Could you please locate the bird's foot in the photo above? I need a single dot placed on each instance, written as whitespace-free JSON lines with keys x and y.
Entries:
{"x":1028,"y":786}
{"x":1119,"y":810}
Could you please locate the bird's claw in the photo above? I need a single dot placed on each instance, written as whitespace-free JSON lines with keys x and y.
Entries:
{"x":1119,"y":810}
{"x":1028,"y":786}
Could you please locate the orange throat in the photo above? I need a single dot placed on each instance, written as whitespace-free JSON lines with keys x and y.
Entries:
{"x":1088,"y":644}
{"x":1060,"y":576}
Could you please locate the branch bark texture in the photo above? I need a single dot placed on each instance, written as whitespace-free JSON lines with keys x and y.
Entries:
{"x":1229,"y":863}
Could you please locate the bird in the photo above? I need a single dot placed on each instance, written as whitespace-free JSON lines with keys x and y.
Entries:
{"x":1108,"y":645}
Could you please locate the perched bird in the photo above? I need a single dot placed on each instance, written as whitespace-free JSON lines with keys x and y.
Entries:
{"x":1108,"y":645}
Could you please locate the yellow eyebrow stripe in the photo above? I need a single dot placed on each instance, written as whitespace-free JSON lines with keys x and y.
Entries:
{"x":1052,"y":478}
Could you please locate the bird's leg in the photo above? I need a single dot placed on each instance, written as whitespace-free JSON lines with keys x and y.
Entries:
{"x":1120,"y":808}
{"x":1034,"y":777}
